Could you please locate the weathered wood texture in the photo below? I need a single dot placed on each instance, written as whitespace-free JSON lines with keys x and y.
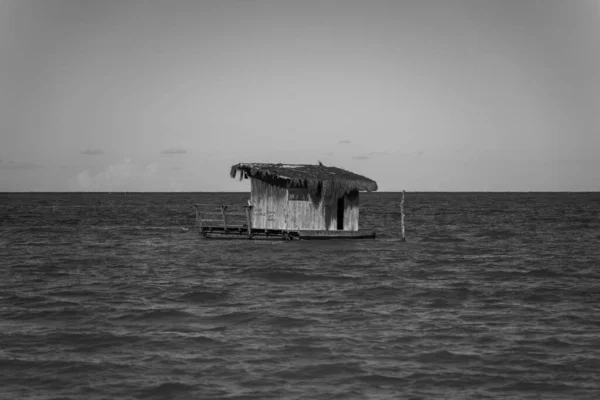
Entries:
{"x":275,"y":207}
{"x":224,"y":215}
{"x":351,"y":212}
{"x":248,"y":210}
{"x":302,"y":214}
{"x":330,"y":215}
{"x":239,"y":232}
{"x":335,"y":235}
{"x":268,"y":205}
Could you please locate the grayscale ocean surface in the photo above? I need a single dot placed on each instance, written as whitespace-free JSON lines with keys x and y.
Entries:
{"x":494,"y":295}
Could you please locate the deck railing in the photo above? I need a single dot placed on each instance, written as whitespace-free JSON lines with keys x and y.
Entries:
{"x":227,"y":217}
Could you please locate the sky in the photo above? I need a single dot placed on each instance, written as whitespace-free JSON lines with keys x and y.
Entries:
{"x":418,"y":95}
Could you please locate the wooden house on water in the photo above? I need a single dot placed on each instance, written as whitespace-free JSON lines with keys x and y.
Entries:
{"x":295,"y":201}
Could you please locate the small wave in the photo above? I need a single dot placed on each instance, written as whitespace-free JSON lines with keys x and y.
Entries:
{"x":487,"y":339}
{"x":545,"y":273}
{"x":378,"y":292}
{"x":341,"y":277}
{"x":204,"y":340}
{"x":440,"y":239}
{"x":537,"y":387}
{"x":216,"y":328}
{"x":445,"y":356}
{"x":17,"y":365}
{"x":406,"y":339}
{"x":456,"y":293}
{"x":440,"y":303}
{"x":57,"y":312}
{"x":24,"y":300}
{"x":284,"y":276}
{"x":204,"y":296}
{"x":273,"y":274}
{"x":74,"y":293}
{"x":494,"y":234}
{"x":166,"y":390}
{"x":236,"y":317}
{"x":161,"y":314}
{"x":321,"y":370}
{"x":540,"y":298}
{"x":376,"y":379}
{"x":288,"y":322}
{"x":295,"y":276}
{"x":502,"y":273}
{"x":84,"y":341}
{"x":59,"y":366}
{"x":209,"y":361}
{"x":53,"y":303}
{"x":307,"y":350}
{"x":551,"y":342}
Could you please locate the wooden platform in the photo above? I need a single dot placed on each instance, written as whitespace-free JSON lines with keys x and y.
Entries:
{"x":241,"y":232}
{"x":237,"y":226}
{"x":319,"y":235}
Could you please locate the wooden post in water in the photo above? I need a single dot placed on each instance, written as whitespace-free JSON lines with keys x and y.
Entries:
{"x":249,"y":219}
{"x":198,"y":220}
{"x":223,"y":208}
{"x":402,"y":217}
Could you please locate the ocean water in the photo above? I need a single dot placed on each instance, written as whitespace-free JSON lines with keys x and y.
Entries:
{"x":493,"y":295}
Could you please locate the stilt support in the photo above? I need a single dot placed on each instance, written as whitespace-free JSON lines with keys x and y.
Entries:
{"x":249,"y":219}
{"x":223,"y":208}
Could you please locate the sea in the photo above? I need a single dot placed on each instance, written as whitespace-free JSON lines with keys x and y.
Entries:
{"x":115,"y":296}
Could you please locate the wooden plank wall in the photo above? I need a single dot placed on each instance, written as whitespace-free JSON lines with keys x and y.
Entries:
{"x":269,"y":205}
{"x":330,"y":215}
{"x":302,"y":214}
{"x":273,"y":210}
{"x":351,"y":212}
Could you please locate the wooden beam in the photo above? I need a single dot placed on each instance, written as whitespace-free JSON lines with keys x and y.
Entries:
{"x":249,"y":219}
{"x":198,"y":219}
{"x":230,"y":221}
{"x":303,"y":234}
{"x":279,"y":234}
{"x":230,"y":228}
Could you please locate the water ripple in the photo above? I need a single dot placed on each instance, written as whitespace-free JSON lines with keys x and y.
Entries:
{"x":493,"y":296}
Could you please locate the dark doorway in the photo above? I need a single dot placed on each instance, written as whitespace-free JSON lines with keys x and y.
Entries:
{"x":340,"y":214}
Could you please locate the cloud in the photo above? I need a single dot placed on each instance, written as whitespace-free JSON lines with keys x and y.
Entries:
{"x":18,"y":165}
{"x":84,"y":179}
{"x":150,"y":170}
{"x":361,"y":157}
{"x":176,"y":168}
{"x":175,"y":186}
{"x":92,"y":152}
{"x":378,"y":153}
{"x":346,"y":141}
{"x":414,"y":153}
{"x":331,"y":153}
{"x":174,"y":150}
{"x":115,"y":176}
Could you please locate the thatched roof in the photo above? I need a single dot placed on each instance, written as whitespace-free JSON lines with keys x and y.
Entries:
{"x":330,"y":183}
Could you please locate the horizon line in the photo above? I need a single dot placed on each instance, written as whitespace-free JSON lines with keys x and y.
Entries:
{"x":375,"y":192}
